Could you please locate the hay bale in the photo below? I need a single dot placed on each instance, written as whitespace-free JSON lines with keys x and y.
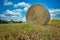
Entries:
{"x":37,"y":14}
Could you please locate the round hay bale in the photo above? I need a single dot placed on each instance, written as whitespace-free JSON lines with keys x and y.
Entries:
{"x":37,"y":14}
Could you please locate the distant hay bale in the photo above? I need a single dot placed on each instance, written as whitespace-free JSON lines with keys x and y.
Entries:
{"x":37,"y":14}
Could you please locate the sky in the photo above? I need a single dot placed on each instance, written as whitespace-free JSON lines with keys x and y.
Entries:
{"x":16,"y":9}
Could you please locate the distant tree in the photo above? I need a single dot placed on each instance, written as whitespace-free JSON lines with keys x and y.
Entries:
{"x":11,"y":21}
{"x":20,"y":21}
{"x":3,"y":21}
{"x":0,"y":21}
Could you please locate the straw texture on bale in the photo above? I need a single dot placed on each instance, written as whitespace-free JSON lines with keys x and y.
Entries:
{"x":37,"y":14}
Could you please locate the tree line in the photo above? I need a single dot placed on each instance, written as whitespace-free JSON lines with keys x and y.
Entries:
{"x":11,"y":21}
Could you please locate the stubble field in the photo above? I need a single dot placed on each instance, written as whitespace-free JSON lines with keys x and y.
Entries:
{"x":26,"y":31}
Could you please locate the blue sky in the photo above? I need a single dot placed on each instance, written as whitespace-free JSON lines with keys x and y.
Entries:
{"x":16,"y":9}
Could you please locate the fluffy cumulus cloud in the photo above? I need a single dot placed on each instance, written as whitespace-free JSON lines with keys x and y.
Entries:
{"x":16,"y":14}
{"x":24,"y":19}
{"x":23,"y":4}
{"x":2,"y":15}
{"x":13,"y":12}
{"x":54,"y":12}
{"x":6,"y":2}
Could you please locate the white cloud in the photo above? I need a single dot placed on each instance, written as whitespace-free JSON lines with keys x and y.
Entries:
{"x":14,"y":16}
{"x":25,"y":9}
{"x":22,"y":4}
{"x":6,"y":2}
{"x":13,"y":12}
{"x":2,"y":15}
{"x":54,"y":12}
{"x":24,"y":19}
